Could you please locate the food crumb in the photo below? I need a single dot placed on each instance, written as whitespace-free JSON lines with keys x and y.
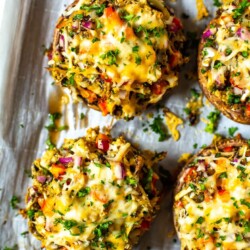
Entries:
{"x":201,"y":9}
{"x":173,"y":121}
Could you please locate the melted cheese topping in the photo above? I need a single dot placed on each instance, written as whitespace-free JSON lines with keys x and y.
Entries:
{"x":86,"y":195}
{"x":212,"y":207}
{"x":226,"y":54}
{"x":116,"y":56}
{"x":173,"y":121}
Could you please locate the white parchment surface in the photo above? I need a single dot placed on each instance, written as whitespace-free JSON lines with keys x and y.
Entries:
{"x":25,"y":89}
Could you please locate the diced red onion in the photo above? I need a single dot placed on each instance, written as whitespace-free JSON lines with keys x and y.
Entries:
{"x":235,"y":160}
{"x":75,"y":25}
{"x":87,"y":24}
{"x":120,"y":171}
{"x":41,"y":179}
{"x":77,"y":161}
{"x":238,"y":91}
{"x":65,"y":160}
{"x":243,"y":33}
{"x":103,"y":145}
{"x":61,"y":41}
{"x":207,"y":34}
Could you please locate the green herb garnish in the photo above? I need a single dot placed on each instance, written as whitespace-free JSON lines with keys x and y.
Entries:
{"x":14,"y":201}
{"x":157,"y":127}
{"x":83,"y":192}
{"x":232,"y":130}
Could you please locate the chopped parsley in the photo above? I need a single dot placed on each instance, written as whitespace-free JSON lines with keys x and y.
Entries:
{"x":233,"y":99}
{"x":67,"y":224}
{"x":24,"y":234}
{"x":245,"y":54}
{"x":78,"y":17}
{"x":95,"y":39}
{"x":200,"y":220}
{"x":131,"y":181}
{"x":209,"y":43}
{"x":31,"y":213}
{"x":239,"y":237}
{"x":49,"y":144}
{"x":157,"y":127}
{"x":213,"y":118}
{"x":99,"y":9}
{"x":111,"y":56}
{"x":228,"y":51}
{"x":83,"y":192}
{"x":106,"y":205}
{"x":223,"y":175}
{"x":195,"y":145}
{"x":218,"y":64}
{"x":238,"y":12}
{"x":195,"y":94}
{"x":193,"y":187}
{"x":14,"y":201}
{"x":98,"y":165}
{"x":217,"y":3}
{"x":244,"y":202}
{"x":102,"y":229}
{"x":232,"y":130}
{"x":137,"y":59}
{"x":135,"y":48}
{"x":82,"y":116}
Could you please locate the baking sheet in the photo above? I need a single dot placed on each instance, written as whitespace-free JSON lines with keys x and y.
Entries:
{"x":25,"y":91}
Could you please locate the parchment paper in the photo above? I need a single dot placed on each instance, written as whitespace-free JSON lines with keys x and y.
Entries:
{"x":25,"y":89}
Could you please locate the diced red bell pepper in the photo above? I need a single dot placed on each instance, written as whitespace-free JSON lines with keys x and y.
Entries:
{"x":103,"y":107}
{"x":228,"y":149}
{"x":145,"y":224}
{"x":102,"y":142}
{"x":176,"y":25}
{"x":158,"y":87}
{"x":248,"y":110}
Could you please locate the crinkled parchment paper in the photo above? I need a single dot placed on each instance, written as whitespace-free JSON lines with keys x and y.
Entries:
{"x":25,"y":91}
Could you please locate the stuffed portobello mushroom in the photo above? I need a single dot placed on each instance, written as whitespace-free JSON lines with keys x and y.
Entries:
{"x":212,"y":198}
{"x":118,"y":56}
{"x":224,"y":61}
{"x":94,"y":192}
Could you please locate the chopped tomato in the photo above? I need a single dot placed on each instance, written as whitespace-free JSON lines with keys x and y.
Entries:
{"x":228,"y":149}
{"x":248,"y":110}
{"x":129,"y":33}
{"x":175,"y":59}
{"x":102,"y":142}
{"x":109,"y":11}
{"x":113,"y":16}
{"x":103,"y":107}
{"x":176,"y":25}
{"x":190,"y":172}
{"x":158,"y":87}
{"x":145,"y":224}
{"x":179,"y":204}
{"x":57,"y":170}
{"x":223,"y":194}
{"x":106,"y":78}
